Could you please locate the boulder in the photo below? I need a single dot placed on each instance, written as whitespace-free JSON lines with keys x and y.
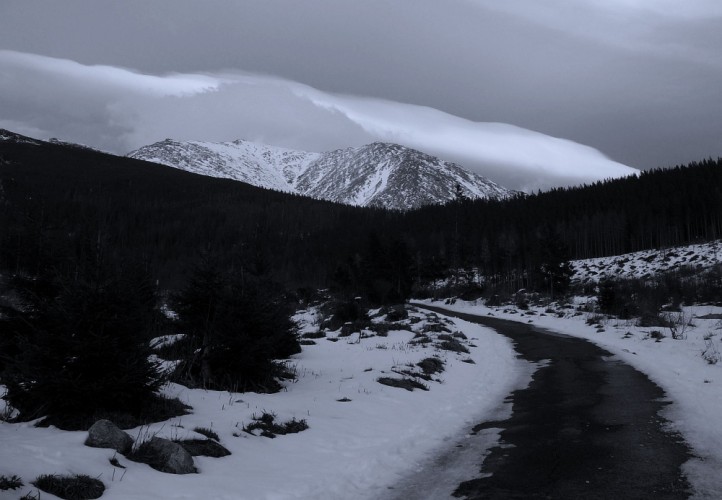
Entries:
{"x":105,"y":434}
{"x":204,"y":447}
{"x":397,"y":313}
{"x":165,"y":455}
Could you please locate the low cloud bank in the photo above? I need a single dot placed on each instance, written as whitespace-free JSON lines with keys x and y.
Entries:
{"x":119,"y":110}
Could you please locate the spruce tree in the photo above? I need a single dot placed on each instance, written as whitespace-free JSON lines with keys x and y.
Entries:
{"x":82,"y":343}
{"x":239,"y":326}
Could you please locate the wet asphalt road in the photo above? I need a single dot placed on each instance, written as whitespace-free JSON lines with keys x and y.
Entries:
{"x":587,"y":427}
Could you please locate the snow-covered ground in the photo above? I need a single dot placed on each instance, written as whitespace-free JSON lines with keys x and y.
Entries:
{"x":647,"y":263}
{"x":352,"y":450}
{"x":689,"y":370}
{"x":357,"y":449}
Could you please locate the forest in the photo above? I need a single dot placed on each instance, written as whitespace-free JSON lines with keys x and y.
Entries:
{"x":58,"y":203}
{"x":93,"y":247}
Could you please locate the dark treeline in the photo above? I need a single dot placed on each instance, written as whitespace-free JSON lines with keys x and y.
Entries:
{"x":61,"y":206}
{"x":510,"y":239}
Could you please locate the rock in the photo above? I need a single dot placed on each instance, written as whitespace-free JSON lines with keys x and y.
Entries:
{"x":204,"y":447}
{"x":396,"y":313}
{"x":165,"y":455}
{"x":105,"y":434}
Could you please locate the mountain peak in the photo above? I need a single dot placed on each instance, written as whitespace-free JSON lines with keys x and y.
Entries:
{"x":378,"y":174}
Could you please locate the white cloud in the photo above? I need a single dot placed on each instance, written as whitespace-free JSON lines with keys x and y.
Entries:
{"x":528,"y":159}
{"x":119,"y":110}
{"x":105,"y":78}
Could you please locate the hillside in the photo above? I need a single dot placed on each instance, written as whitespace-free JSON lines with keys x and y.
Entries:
{"x":648,"y":263}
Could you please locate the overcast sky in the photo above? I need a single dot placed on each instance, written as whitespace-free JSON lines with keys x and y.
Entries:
{"x":639,"y":80}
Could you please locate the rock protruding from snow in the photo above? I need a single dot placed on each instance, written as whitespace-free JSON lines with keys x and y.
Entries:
{"x":378,"y":174}
{"x":167,"y":456}
{"x":105,"y":434}
{"x":204,"y":447}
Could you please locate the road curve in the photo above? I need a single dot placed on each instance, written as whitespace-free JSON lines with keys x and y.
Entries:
{"x":587,"y":427}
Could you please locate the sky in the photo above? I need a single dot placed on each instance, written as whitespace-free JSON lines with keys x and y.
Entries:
{"x":532,"y":93}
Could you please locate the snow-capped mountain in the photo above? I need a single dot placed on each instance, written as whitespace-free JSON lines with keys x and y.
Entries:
{"x":378,"y":174}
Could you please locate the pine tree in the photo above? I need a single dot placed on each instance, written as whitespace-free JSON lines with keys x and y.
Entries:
{"x":554,"y":268}
{"x":239,"y":326}
{"x":83,"y":344}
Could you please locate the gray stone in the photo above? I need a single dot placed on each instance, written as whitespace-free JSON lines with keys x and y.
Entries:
{"x":166,"y":456}
{"x":204,"y":447}
{"x":105,"y":434}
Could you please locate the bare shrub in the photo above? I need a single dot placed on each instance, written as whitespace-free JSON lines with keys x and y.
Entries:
{"x":207,"y":432}
{"x":77,"y":487}
{"x":711,"y":353}
{"x":453,"y":345}
{"x":677,"y":323}
{"x":10,"y":483}
{"x":266,"y":423}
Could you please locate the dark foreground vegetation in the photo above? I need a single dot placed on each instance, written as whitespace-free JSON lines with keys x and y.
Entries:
{"x":92,"y":246}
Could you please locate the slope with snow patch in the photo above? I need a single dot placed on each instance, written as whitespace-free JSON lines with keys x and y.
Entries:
{"x":647,"y":263}
{"x":6,"y":135}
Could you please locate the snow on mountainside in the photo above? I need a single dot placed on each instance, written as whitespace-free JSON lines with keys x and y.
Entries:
{"x":646,"y":263}
{"x":378,"y":174}
{"x":273,"y":168}
{"x":393,"y":176}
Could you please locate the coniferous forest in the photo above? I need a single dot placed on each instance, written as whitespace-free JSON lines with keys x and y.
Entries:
{"x":63,"y":205}
{"x":91,"y":246}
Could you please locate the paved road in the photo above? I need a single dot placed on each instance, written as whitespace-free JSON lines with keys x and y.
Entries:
{"x":587,"y":427}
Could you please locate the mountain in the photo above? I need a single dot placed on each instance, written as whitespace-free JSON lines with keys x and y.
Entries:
{"x":8,"y":136}
{"x":378,"y":174}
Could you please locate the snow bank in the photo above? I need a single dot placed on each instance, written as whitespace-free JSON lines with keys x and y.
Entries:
{"x":352,"y":450}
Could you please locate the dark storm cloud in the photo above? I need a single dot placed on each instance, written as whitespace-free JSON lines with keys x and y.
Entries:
{"x":637,"y":79}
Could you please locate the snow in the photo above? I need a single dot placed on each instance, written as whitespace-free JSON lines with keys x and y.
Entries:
{"x":257,"y":164}
{"x":374,"y":184}
{"x":352,"y":450}
{"x":647,"y":263}
{"x":375,"y":174}
{"x":692,"y":383}
{"x":385,"y":437}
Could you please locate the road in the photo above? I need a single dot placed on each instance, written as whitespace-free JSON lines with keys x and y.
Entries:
{"x":587,"y":427}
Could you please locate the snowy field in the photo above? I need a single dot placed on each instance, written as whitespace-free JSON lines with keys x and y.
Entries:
{"x":689,"y":370}
{"x":353,"y":449}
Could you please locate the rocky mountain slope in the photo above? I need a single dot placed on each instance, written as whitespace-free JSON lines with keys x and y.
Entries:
{"x":378,"y":174}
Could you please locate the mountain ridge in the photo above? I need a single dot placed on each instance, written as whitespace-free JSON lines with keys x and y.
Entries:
{"x":378,"y":174}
